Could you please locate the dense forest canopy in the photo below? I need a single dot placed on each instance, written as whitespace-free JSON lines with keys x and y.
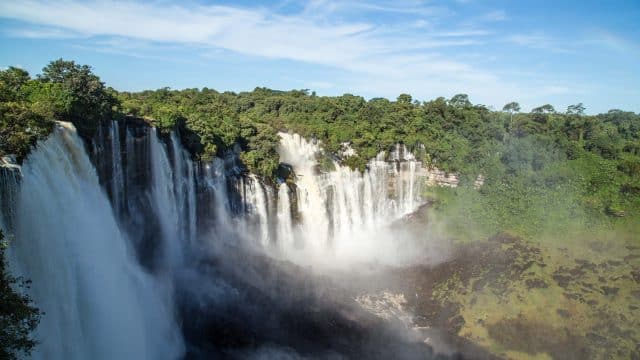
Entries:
{"x":593,"y":158}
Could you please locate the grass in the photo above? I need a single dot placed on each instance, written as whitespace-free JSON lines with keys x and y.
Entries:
{"x":582,"y":304}
{"x":579,"y":293}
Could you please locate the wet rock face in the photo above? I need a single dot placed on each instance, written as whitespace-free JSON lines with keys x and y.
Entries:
{"x":9,"y":184}
{"x":437,"y":177}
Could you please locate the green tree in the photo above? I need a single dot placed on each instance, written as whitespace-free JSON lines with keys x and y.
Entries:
{"x":460,"y":100}
{"x":577,"y":109}
{"x":18,"y":316}
{"x":512,"y":107}
{"x":90,"y":101}
{"x":11,"y":80}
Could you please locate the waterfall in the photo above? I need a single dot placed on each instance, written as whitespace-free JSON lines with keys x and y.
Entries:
{"x":117,"y":180}
{"x":311,"y":190}
{"x":258,"y":198}
{"x":164,"y":201}
{"x":345,"y":214}
{"x":98,"y":301}
{"x":286,"y":238}
{"x":183,"y":177}
{"x":108,"y":275}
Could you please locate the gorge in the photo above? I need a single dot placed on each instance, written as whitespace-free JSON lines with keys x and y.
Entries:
{"x":135,"y":250}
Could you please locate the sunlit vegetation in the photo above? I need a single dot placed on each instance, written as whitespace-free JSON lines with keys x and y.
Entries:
{"x":531,"y":157}
{"x":18,"y":316}
{"x":567,"y":183}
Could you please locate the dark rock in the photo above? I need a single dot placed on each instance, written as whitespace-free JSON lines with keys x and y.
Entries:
{"x":608,"y":290}
{"x":536,"y":283}
{"x":564,"y":313}
{"x":597,"y":339}
{"x":456,"y":323}
{"x":574,"y":296}
{"x":562,"y":280}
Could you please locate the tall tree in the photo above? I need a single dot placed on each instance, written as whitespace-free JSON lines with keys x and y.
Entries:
{"x":460,"y":100}
{"x":577,"y":109}
{"x":91,"y":101}
{"x":511,"y":108}
{"x":544,"y":109}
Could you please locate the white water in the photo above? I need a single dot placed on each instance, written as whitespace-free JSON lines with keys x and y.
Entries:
{"x":286,"y":238}
{"x":99,"y":303}
{"x":164,"y":202}
{"x":259,"y":208}
{"x":183,"y":177}
{"x":345,"y":214}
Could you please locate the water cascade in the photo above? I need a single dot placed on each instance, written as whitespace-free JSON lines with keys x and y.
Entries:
{"x":108,"y":245}
{"x":344,"y":214}
{"x":99,"y":303}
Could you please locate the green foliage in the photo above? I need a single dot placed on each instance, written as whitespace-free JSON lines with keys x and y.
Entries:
{"x":11,"y":80}
{"x":18,"y":316}
{"x":455,"y":135}
{"x":20,"y":128}
{"x":88,"y":102}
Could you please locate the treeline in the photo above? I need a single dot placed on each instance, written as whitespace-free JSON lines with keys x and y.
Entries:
{"x":532,"y":149}
{"x":64,"y":91}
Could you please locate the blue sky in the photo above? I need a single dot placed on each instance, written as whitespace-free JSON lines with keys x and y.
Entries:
{"x":534,"y":52}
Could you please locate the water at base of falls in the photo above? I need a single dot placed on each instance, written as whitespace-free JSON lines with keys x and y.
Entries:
{"x":98,"y":302}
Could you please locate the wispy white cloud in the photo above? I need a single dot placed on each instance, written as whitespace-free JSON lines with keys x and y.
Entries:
{"x":496,"y":15}
{"x":397,"y":7}
{"x":539,"y":41}
{"x":425,"y":56}
{"x":612,"y":41}
{"x":350,"y":45}
{"x":35,"y":32}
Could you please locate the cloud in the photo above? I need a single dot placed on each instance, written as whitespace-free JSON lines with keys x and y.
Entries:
{"x":424,"y":53}
{"x":497,"y":15}
{"x":538,"y":41}
{"x":42,"y":33}
{"x":613,"y":42}
{"x":355,"y":46}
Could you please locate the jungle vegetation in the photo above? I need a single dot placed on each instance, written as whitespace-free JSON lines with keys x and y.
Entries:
{"x":593,"y":161}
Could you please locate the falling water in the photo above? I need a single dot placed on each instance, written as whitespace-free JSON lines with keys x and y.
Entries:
{"x":259,"y":209}
{"x":103,"y":272}
{"x":164,"y":201}
{"x":99,"y":303}
{"x":183,"y":177}
{"x":285,"y":224}
{"x":344,"y":212}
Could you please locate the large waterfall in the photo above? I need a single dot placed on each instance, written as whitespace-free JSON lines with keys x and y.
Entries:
{"x":344,"y":214}
{"x":98,"y":302}
{"x":109,"y":244}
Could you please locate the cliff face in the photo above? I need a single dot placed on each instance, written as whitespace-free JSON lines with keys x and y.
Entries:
{"x":193,"y":239}
{"x":317,"y":211}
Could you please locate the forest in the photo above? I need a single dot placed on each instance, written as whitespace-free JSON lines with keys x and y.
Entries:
{"x":552,"y":177}
{"x":564,"y":161}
